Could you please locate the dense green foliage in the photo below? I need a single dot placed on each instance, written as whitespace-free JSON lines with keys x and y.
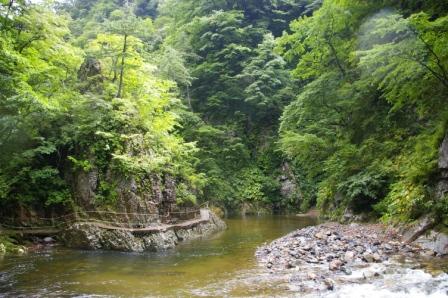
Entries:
{"x":60,"y":114}
{"x":365,"y":129}
{"x":347,"y":99}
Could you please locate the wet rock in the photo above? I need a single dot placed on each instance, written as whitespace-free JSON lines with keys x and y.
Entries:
{"x":335,"y":249}
{"x":387,"y":246}
{"x":370,"y":274}
{"x":368,"y":257}
{"x":48,"y":240}
{"x":346,"y":270}
{"x":329,"y":284}
{"x":90,"y":236}
{"x":20,"y":250}
{"x":428,"y":253}
{"x":434,"y":241}
{"x":418,"y":229}
{"x":349,"y":256}
{"x":82,"y":236}
{"x":376,"y":257}
{"x":335,"y":265}
{"x":321,"y":235}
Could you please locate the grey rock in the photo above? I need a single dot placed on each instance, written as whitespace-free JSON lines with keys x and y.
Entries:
{"x":321,"y":236}
{"x":89,"y":236}
{"x":49,"y":240}
{"x":434,"y":241}
{"x":442,"y":185}
{"x":420,"y":227}
{"x":288,"y":184}
{"x":443,"y":154}
{"x":376,"y":257}
{"x":349,"y":256}
{"x":329,"y":284}
{"x":346,"y":270}
{"x":368,"y":257}
{"x":335,"y":265}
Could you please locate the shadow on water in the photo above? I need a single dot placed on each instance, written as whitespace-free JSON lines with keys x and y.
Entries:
{"x":192,"y":268}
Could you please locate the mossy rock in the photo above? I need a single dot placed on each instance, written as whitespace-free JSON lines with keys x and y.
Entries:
{"x":9,"y":246}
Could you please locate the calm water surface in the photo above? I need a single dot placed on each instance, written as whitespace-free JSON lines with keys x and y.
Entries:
{"x":223,"y":265}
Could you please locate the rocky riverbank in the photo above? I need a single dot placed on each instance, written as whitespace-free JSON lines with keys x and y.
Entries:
{"x":320,"y":258}
{"x":92,"y":237}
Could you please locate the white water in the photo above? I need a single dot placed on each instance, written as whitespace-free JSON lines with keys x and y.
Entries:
{"x":394,"y":282}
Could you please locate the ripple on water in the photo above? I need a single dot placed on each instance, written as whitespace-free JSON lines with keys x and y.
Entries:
{"x":215,"y":267}
{"x":404,"y":283}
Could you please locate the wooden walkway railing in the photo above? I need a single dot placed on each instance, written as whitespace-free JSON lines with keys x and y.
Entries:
{"x":134,"y":222}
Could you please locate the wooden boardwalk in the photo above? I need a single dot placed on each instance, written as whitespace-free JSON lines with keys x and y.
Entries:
{"x":46,"y":231}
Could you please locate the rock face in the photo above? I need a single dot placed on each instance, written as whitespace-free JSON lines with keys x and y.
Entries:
{"x":89,"y":236}
{"x":288,"y":184}
{"x":422,"y":231}
{"x":442,"y":186}
{"x":90,"y":75}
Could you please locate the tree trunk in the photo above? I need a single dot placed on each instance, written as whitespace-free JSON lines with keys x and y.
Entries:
{"x":189,"y":98}
{"x":5,"y":21}
{"x":123,"y":55}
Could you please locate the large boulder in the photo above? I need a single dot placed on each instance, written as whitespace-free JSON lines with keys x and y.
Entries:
{"x":417,"y":229}
{"x":88,"y":236}
{"x":91,"y":236}
{"x":161,"y":241}
{"x":435,"y":241}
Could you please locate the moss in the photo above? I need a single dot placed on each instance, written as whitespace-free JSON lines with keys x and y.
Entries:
{"x":218,"y":211}
{"x":9,"y":245}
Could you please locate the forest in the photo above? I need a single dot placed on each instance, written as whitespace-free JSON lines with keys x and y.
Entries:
{"x":266,"y":105}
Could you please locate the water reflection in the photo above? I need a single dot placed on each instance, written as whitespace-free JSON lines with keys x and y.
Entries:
{"x":190,"y":269}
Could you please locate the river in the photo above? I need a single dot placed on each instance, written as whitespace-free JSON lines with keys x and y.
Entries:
{"x":223,"y":265}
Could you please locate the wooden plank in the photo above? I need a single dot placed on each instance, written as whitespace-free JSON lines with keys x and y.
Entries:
{"x":205,"y":217}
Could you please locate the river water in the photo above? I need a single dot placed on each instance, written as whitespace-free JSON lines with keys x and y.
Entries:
{"x":223,"y":265}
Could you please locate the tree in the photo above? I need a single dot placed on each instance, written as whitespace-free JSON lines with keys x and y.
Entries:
{"x":126,"y":24}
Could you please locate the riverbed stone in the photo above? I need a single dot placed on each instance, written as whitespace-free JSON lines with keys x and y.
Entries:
{"x":329,"y":284}
{"x":377,"y":257}
{"x":349,"y":256}
{"x":368,"y":257}
{"x":333,"y":248}
{"x":335,"y":265}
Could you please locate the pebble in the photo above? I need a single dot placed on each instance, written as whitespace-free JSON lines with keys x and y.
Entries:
{"x":349,"y":256}
{"x":329,"y":283}
{"x":335,"y":265}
